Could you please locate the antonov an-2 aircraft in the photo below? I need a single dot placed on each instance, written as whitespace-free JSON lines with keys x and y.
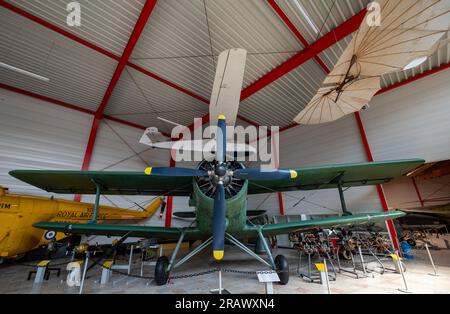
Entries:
{"x":218,"y":188}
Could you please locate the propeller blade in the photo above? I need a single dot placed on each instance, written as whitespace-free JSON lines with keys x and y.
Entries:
{"x":175,"y":172}
{"x":221,"y":142}
{"x":258,"y":175}
{"x":219,"y":222}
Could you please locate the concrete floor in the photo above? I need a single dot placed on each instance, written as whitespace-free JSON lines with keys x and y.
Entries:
{"x":13,"y":278}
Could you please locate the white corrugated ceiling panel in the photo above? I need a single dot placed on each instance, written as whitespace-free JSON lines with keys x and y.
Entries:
{"x":38,"y":135}
{"x":259,"y":64}
{"x":251,"y":24}
{"x":175,"y":29}
{"x":196,"y":74}
{"x":325,"y":15}
{"x":105,"y":23}
{"x":280,"y":102}
{"x":149,"y":99}
{"x":78,"y":75}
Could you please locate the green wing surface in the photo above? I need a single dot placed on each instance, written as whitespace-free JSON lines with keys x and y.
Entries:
{"x":333,"y":222}
{"x":112,"y":183}
{"x":120,"y":230}
{"x":325,"y":177}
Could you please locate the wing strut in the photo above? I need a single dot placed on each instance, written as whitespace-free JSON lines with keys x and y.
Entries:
{"x":341,"y":195}
{"x":97,"y":201}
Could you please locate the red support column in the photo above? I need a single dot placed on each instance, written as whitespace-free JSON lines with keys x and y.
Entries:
{"x":89,"y":149}
{"x":280,"y":203}
{"x":381,"y":195}
{"x":169,"y":208}
{"x":422,"y":204}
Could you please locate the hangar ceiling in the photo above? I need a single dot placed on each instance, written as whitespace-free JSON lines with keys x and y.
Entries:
{"x":171,"y":69}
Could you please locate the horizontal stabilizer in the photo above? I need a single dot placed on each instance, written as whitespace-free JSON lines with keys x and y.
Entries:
{"x":207,"y":145}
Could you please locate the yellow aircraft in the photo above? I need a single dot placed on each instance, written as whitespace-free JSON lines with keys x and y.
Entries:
{"x":19,"y":212}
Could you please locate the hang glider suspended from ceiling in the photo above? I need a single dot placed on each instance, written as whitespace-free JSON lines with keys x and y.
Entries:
{"x":410,"y":31}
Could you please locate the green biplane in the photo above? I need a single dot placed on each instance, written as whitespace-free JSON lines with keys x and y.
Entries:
{"x":218,"y":188}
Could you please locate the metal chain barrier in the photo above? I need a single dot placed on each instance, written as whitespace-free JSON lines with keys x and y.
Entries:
{"x":211,"y":271}
{"x":49,"y":265}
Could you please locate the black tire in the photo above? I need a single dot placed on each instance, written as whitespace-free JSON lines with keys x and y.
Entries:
{"x":346,"y":254}
{"x":161,"y":273}
{"x":283,"y":269}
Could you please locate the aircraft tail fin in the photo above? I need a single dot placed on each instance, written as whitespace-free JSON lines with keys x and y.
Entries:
{"x":151,"y":209}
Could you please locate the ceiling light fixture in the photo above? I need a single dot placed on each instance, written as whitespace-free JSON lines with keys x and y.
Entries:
{"x":168,"y":121}
{"x":415,"y":63}
{"x":306,"y":16}
{"x":33,"y":75}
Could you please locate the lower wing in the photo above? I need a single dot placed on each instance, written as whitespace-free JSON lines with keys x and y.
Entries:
{"x":333,"y":222}
{"x":122,"y":230}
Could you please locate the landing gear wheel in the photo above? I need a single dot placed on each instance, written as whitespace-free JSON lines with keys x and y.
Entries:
{"x":161,"y":273}
{"x":282,"y":268}
{"x":346,"y":254}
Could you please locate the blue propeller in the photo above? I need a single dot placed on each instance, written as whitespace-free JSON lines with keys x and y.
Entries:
{"x":218,"y":175}
{"x":219,"y":222}
{"x":175,"y":172}
{"x":259,"y":175}
{"x":220,"y":204}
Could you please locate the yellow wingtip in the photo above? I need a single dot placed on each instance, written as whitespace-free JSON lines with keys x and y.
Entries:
{"x":148,"y":171}
{"x":218,"y":255}
{"x":294,"y":174}
{"x":221,"y":117}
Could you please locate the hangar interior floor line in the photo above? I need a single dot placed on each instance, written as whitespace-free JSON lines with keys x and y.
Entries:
{"x":417,"y":276}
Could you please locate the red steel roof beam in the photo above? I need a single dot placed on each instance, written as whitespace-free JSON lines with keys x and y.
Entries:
{"x":337,"y":34}
{"x":137,"y":31}
{"x":101,"y":50}
{"x":295,"y":31}
{"x":135,"y":34}
{"x":70,"y":106}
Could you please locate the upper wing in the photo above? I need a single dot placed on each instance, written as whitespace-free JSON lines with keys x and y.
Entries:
{"x":333,"y":222}
{"x":324,"y":177}
{"x":112,"y":183}
{"x":120,"y":230}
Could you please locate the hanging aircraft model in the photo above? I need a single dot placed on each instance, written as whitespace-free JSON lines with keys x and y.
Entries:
{"x":19,"y":212}
{"x":409,"y":31}
{"x":218,"y":188}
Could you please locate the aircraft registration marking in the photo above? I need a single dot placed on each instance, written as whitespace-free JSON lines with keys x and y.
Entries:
{"x":78,"y":215}
{"x":5,"y":205}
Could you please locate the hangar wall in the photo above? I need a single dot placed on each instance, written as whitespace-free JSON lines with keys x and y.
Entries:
{"x":411,"y":121}
{"x":35,"y":134}
{"x":399,"y":124}
{"x":38,"y":135}
{"x":408,"y":122}
{"x":337,"y":142}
